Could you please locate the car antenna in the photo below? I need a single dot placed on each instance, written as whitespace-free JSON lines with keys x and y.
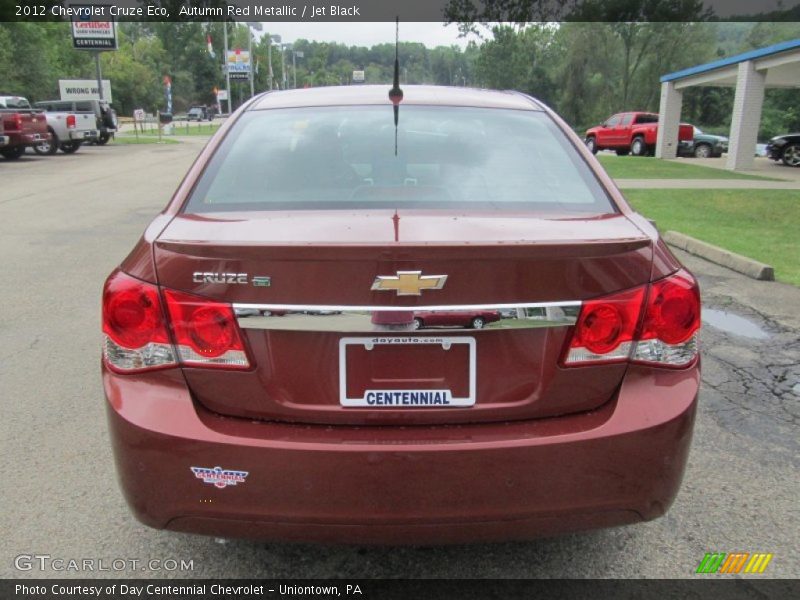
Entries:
{"x":396,"y":94}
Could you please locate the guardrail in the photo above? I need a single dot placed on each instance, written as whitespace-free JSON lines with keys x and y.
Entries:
{"x":180,"y":125}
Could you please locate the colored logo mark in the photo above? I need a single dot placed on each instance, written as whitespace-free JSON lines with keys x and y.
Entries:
{"x":735,"y":562}
{"x":219,"y":477}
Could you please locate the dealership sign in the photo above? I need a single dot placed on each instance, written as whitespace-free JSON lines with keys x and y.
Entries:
{"x":83,"y":89}
{"x":88,"y":34}
{"x":238,"y":64}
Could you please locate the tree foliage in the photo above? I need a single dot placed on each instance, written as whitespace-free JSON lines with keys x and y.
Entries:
{"x":585,"y":70}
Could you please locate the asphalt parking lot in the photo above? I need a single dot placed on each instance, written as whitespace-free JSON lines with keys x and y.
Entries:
{"x":67,"y":221}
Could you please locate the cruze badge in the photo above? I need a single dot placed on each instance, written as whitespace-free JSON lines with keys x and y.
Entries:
{"x":409,"y":283}
{"x":206,"y":277}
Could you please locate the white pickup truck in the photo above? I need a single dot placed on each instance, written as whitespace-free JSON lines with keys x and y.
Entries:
{"x":69,"y":130}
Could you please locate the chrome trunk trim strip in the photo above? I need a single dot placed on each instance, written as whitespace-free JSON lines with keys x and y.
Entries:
{"x":377,"y":319}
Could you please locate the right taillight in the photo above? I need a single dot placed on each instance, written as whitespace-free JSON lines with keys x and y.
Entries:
{"x":671,"y":322}
{"x":655,"y":325}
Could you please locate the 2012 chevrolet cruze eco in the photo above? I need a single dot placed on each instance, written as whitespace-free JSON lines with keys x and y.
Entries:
{"x":266,"y":377}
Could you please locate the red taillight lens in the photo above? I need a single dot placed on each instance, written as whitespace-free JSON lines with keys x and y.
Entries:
{"x":13,"y":122}
{"x":206,"y":332}
{"x":134,"y":325}
{"x":605,"y":328}
{"x":671,"y":322}
{"x":70,"y":121}
{"x":136,"y":328}
{"x":673,"y":309}
{"x":132,"y":314}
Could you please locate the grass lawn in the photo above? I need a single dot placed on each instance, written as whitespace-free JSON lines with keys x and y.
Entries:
{"x":645,"y":167}
{"x":142,"y":139}
{"x":760,"y":224}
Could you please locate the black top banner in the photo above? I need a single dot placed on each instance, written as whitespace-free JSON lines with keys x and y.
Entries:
{"x":464,"y":11}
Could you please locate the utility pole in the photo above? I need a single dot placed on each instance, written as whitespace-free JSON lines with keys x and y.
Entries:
{"x":225,"y":63}
{"x":283,"y":65}
{"x":250,"y":54}
{"x":295,"y":55}
{"x":269,"y":60}
{"x":257,"y":26}
{"x":99,"y":73}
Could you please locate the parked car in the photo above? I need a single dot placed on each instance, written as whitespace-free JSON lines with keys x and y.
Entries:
{"x":785,"y":148}
{"x":703,"y":145}
{"x":68,"y":130}
{"x":631,"y":133}
{"x":455,"y":318}
{"x":200,"y":113}
{"x":105,"y":116}
{"x":22,"y":126}
{"x":330,"y":427}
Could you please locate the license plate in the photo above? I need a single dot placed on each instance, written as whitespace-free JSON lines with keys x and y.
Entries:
{"x":407,"y":372}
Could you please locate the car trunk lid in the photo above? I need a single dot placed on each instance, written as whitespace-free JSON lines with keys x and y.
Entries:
{"x":323,"y":265}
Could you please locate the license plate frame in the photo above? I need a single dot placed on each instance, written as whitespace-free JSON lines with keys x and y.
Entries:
{"x":444,"y":341}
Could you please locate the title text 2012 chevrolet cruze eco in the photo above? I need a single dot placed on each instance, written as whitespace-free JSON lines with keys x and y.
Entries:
{"x":265,"y":375}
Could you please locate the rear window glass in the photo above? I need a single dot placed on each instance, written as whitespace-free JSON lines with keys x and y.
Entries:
{"x":445,"y":157}
{"x":14,"y":102}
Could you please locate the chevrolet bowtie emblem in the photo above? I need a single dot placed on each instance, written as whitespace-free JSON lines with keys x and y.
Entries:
{"x":409,"y":283}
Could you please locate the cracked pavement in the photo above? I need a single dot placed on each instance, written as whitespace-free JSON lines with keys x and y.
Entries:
{"x":68,"y":220}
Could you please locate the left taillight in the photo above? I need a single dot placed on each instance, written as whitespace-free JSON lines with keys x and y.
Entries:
{"x":137,"y":324}
{"x":134,"y":326}
{"x":71,"y":122}
{"x":206,"y":332}
{"x":13,"y":122}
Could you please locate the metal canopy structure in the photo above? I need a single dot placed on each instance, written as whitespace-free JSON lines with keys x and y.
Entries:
{"x":751,"y":73}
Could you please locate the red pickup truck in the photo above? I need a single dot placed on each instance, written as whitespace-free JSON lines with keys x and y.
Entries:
{"x":631,"y":133}
{"x":20,"y":126}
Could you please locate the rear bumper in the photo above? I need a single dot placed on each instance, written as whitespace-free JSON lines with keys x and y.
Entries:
{"x":29,"y":139}
{"x":15,"y":138}
{"x":83,"y":136}
{"x":620,"y":464}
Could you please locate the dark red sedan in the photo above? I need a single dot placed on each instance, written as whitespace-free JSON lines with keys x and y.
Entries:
{"x":263,"y":374}
{"x":455,"y":318}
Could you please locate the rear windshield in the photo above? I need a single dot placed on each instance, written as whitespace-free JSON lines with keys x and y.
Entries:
{"x":647,"y":119}
{"x":438,"y":157}
{"x":14,"y":102}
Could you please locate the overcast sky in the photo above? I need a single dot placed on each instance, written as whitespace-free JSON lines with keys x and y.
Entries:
{"x":368,"y":34}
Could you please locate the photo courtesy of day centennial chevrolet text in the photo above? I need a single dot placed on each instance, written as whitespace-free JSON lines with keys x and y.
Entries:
{"x":399,"y":316}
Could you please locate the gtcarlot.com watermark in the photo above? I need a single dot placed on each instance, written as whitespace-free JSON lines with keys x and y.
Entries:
{"x":46,"y":562}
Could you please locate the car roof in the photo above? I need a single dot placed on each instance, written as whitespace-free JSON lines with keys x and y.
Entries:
{"x":354,"y":95}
